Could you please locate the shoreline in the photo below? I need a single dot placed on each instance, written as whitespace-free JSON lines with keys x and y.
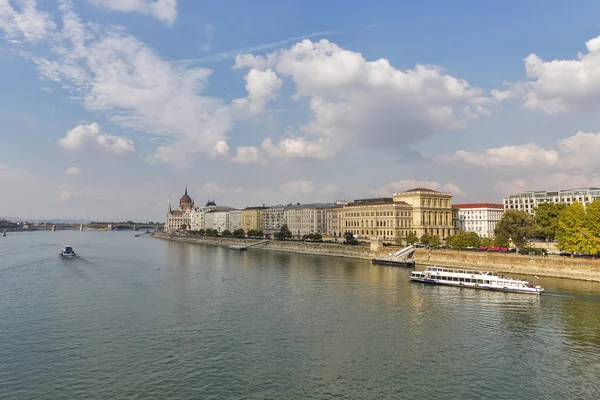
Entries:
{"x":555,"y":267}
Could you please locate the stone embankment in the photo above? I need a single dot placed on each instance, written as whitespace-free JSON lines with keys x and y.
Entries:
{"x":553,"y":266}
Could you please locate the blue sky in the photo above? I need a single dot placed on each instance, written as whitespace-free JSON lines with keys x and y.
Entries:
{"x":110,"y":106}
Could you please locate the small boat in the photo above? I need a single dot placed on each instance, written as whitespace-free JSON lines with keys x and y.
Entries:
{"x":474,"y":279}
{"x":67,"y":251}
{"x":3,"y":234}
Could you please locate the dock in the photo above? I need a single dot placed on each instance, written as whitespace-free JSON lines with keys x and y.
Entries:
{"x":397,"y":259}
{"x":245,"y":247}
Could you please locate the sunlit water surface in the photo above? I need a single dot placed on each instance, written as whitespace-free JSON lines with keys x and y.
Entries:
{"x":143,"y":318}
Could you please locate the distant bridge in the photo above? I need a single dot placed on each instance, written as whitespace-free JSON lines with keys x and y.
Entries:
{"x":104,"y":227}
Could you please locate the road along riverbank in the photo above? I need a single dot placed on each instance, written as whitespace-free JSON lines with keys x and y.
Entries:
{"x":554,"y":266}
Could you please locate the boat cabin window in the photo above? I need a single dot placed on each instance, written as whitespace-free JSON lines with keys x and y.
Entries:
{"x":486,"y":282}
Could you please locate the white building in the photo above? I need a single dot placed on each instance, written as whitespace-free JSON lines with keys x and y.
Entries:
{"x":479,"y":217}
{"x":304,"y":219}
{"x":527,"y":201}
{"x":217,"y":218}
{"x":197,"y":215}
{"x":273,"y":218}
{"x":235,"y":220}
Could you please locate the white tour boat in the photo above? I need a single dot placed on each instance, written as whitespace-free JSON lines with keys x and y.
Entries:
{"x":67,"y":251}
{"x":474,"y":279}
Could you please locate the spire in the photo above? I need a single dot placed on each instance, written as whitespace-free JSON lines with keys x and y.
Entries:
{"x":186,"y":190}
{"x":169,"y":204}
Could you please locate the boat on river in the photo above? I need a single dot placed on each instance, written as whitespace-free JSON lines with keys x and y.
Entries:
{"x":3,"y":234}
{"x":474,"y":279}
{"x":67,"y":251}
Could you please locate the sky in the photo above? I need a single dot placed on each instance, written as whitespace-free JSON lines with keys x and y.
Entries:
{"x":110,"y":107}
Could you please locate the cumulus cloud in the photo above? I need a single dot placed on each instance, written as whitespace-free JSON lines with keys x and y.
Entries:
{"x":68,"y":195}
{"x":220,"y":149}
{"x":574,"y":153}
{"x":262,"y":87}
{"x":92,"y":135}
{"x":24,"y":23}
{"x":402,"y":185}
{"x":11,"y":174}
{"x":248,"y":155}
{"x":563,"y":86}
{"x":73,"y":171}
{"x":298,"y":147}
{"x":163,"y":10}
{"x":212,"y":189}
{"x":371,"y":103}
{"x":298,"y":187}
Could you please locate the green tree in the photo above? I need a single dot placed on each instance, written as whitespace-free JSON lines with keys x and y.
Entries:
{"x":201,"y":232}
{"x":546,"y":219}
{"x":502,"y":240}
{"x":239,"y":233}
{"x":472,"y":239}
{"x":425,"y":239}
{"x":592,"y":228}
{"x":412,"y":238}
{"x":516,"y":225}
{"x":572,"y":232}
{"x":284,"y":233}
{"x":435,"y":241}
{"x":349,"y":238}
{"x":487,"y":242}
{"x":260,"y":234}
{"x":226,"y":233}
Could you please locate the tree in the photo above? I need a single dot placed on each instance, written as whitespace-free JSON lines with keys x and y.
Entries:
{"x":411,"y":238}
{"x":463,"y":240}
{"x":239,"y":233}
{"x":502,"y":240}
{"x":226,"y":233}
{"x":434,"y":241}
{"x":284,"y":233}
{"x":425,"y":239}
{"x":516,"y":225}
{"x":350,"y":239}
{"x":487,"y":242}
{"x":260,"y":234}
{"x":571,"y":232}
{"x":201,"y":232}
{"x":546,"y":219}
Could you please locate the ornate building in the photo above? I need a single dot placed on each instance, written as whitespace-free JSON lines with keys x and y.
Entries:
{"x":431,"y":211}
{"x":180,"y":219}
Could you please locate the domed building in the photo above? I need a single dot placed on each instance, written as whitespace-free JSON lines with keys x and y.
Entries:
{"x":180,"y":219}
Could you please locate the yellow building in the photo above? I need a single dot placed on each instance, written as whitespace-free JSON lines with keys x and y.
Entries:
{"x":377,"y":218}
{"x":252,"y":219}
{"x":431,"y":211}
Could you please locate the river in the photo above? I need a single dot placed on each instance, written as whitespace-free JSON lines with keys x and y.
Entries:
{"x":143,"y":318}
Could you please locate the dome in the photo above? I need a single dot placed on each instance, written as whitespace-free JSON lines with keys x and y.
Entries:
{"x":185,"y":199}
{"x":210,"y":203}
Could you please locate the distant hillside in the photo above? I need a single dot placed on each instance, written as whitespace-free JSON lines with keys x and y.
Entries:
{"x":50,"y":221}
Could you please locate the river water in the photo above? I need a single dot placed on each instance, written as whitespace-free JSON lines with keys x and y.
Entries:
{"x":143,"y":318}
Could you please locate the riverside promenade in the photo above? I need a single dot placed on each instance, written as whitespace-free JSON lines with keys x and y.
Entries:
{"x":552,"y":266}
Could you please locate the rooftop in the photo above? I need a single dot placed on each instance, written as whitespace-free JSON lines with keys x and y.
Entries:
{"x":480,"y":205}
{"x":381,"y":203}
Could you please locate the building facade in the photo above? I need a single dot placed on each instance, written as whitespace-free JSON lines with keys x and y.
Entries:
{"x":197,"y":215}
{"x":306,"y":219}
{"x":376,"y":218}
{"x":273,"y":218}
{"x":180,"y":219}
{"x":252,"y":218}
{"x":431,"y":211}
{"x":528,"y":201}
{"x":480,"y":218}
{"x":235,"y":220}
{"x":334,"y":221}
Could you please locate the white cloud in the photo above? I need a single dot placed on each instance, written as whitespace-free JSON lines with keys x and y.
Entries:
{"x":24,"y":23}
{"x":248,"y":155}
{"x":298,"y":187}
{"x":298,"y":147}
{"x":92,"y":134}
{"x":73,"y":171}
{"x":11,"y":174}
{"x":212,"y":189}
{"x":563,"y":86}
{"x":370,"y":103}
{"x":46,"y":89}
{"x":262,"y":87}
{"x":574,"y":153}
{"x":112,"y":72}
{"x":402,"y":185}
{"x":220,"y":149}
{"x":163,"y":10}
{"x":208,"y":35}
{"x":68,"y":195}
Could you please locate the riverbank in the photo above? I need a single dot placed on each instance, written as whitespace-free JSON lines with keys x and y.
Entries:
{"x":554,"y":266}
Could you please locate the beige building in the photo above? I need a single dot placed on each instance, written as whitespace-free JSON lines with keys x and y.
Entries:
{"x":181,"y":218}
{"x":431,"y":211}
{"x":381,"y":218}
{"x":273,"y":218}
{"x":334,"y":221}
{"x":305,"y":219}
{"x":252,"y":218}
